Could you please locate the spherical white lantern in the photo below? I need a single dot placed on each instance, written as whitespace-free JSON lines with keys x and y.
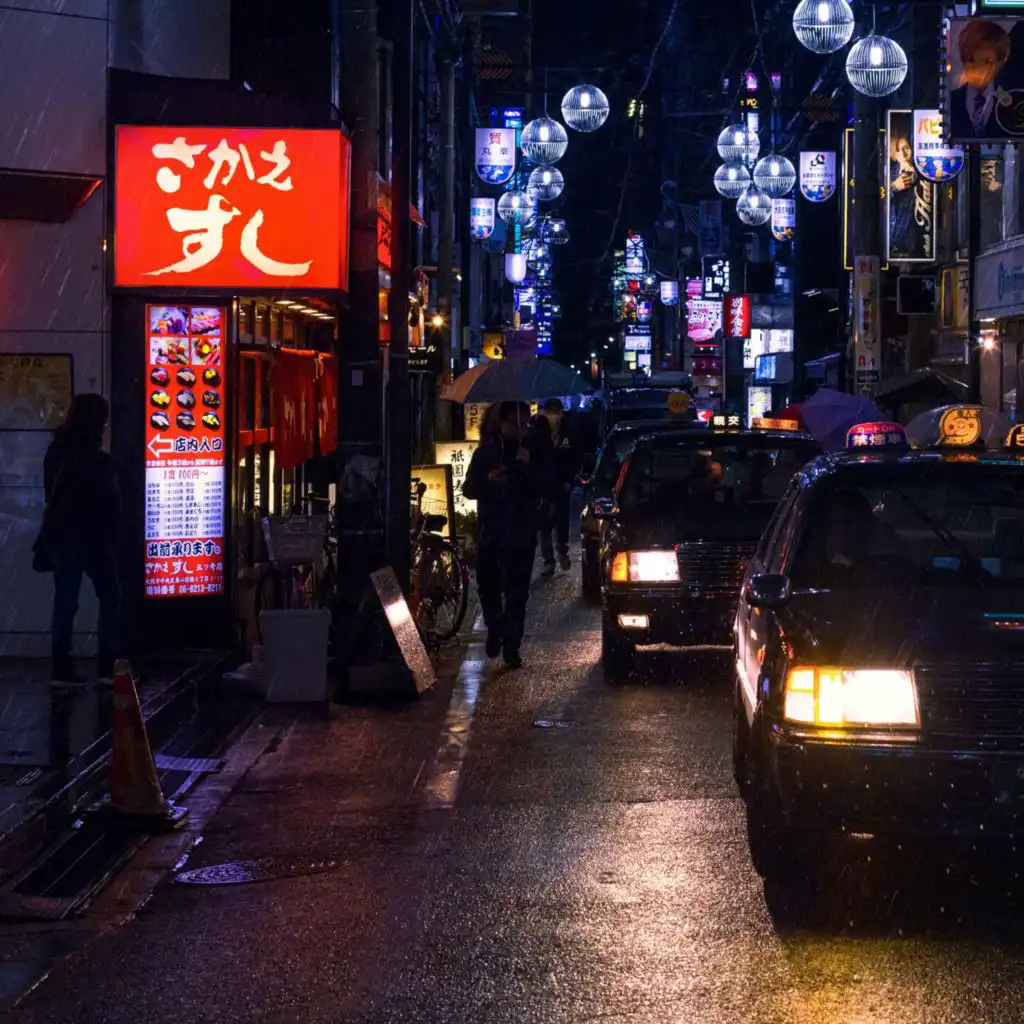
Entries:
{"x":731,"y":180}
{"x":517,"y":208}
{"x":585,"y":108}
{"x":546,"y":183}
{"x":754,"y":207}
{"x":515,"y":267}
{"x":823,"y":26}
{"x":536,"y":251}
{"x":555,"y":232}
{"x":876,"y":66}
{"x":737,"y":144}
{"x":775,"y":175}
{"x":544,"y":141}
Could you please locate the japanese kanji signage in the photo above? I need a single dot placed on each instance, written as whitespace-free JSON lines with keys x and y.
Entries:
{"x":458,"y":455}
{"x":495,"y":154}
{"x":866,"y":320}
{"x":231,"y":208}
{"x":294,"y":389}
{"x":704,"y":319}
{"x":783,"y":219}
{"x":737,"y":316}
{"x":933,"y":158}
{"x":817,"y":175}
{"x":384,"y":230}
{"x":481,"y":217}
{"x":185,"y":457}
{"x":717,"y":276}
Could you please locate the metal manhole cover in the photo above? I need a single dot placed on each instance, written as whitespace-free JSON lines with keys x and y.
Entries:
{"x":241,"y":872}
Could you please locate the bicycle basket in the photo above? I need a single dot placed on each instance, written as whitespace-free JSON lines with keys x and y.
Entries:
{"x":295,"y":540}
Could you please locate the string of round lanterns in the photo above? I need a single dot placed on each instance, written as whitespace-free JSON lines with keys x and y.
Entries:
{"x":546,"y":183}
{"x":753,"y":207}
{"x":823,"y":26}
{"x":544,"y":141}
{"x":876,"y":66}
{"x":775,"y":176}
{"x":731,"y":180}
{"x":585,"y":108}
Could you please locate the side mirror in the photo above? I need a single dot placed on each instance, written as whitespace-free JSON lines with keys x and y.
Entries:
{"x":769,"y":590}
{"x":604,"y":508}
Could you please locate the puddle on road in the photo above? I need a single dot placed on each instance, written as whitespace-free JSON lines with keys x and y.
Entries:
{"x":243,"y":872}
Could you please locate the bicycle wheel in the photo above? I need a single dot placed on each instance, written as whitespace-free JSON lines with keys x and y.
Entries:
{"x":443,"y":593}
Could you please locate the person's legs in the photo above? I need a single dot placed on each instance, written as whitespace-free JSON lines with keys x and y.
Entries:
{"x":547,"y":549}
{"x":67,"y":581}
{"x":518,"y":571}
{"x":104,"y":575}
{"x":489,"y":587}
{"x":561,"y":516}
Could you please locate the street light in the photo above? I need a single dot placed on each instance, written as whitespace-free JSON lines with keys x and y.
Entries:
{"x":775,"y":175}
{"x":437,"y":320}
{"x":544,"y":141}
{"x":585,"y":108}
{"x":876,"y":66}
{"x":731,"y":180}
{"x":823,"y":26}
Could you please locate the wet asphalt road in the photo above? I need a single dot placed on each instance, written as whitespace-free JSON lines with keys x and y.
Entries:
{"x":543,"y":847}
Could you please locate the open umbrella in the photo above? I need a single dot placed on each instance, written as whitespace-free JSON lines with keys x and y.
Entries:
{"x":508,"y":380}
{"x":827,"y":415}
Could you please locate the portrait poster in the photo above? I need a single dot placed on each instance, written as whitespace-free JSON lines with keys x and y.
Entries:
{"x":909,"y":196}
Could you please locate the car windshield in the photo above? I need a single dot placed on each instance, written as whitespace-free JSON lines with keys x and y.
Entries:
{"x":613,"y":455}
{"x":935,"y":527}
{"x":727,"y":481}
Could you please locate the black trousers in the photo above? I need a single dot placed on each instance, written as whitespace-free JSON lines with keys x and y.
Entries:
{"x":503,"y":581}
{"x":557,"y":519}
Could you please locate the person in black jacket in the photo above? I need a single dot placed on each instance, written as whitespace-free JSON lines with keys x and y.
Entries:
{"x":508,"y":488}
{"x":567,"y":465}
{"x":80,"y":526}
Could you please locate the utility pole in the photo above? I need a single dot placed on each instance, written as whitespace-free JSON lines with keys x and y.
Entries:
{"x":399,"y":398}
{"x":446,"y":240}
{"x":973,"y":172}
{"x":361,"y":443}
{"x":867,"y":251}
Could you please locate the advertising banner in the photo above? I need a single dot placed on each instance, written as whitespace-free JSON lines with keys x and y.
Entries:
{"x":669,"y":293}
{"x":933,"y":158}
{"x":818,"y":175}
{"x":231,"y":208}
{"x":737,"y":316}
{"x":481,"y":218}
{"x":292,"y":378}
{"x":783,"y":219}
{"x":867,"y":315}
{"x":475,"y":414}
{"x":495,"y":154}
{"x":327,"y":404}
{"x":186,"y":462}
{"x":984,"y":94}
{"x":458,"y":455}
{"x":909,"y":197}
{"x":636,"y":257}
{"x":704,"y":319}
{"x":717,"y":276}
{"x":710,"y":222}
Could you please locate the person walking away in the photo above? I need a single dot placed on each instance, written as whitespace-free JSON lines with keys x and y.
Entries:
{"x":504,"y":482}
{"x":542,"y":455}
{"x":81,"y":522}
{"x":567,"y":465}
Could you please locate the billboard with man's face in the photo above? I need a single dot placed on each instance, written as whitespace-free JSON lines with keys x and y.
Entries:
{"x":909,"y":197}
{"x":984,"y":94}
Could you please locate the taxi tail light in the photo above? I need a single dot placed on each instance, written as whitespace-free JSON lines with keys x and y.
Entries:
{"x":851,"y":697}
{"x":620,"y":568}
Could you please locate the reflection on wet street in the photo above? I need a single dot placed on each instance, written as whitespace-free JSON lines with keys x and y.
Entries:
{"x":541,"y":846}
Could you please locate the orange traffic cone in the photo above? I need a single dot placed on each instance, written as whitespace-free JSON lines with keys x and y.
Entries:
{"x":134,"y":786}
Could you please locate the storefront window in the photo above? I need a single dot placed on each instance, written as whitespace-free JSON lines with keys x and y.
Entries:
{"x":288,"y":329}
{"x":245,"y":318}
{"x":262,"y":322}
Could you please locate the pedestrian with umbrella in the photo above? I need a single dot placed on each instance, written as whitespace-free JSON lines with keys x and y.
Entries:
{"x":509,"y":488}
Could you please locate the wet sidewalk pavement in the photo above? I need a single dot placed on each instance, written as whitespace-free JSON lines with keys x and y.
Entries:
{"x":49,"y":732}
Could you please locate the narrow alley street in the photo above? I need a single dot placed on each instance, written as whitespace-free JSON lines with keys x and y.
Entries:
{"x":531,"y":846}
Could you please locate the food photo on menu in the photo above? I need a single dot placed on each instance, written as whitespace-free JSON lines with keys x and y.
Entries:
{"x":206,"y":350}
{"x":168,"y":320}
{"x":206,"y":320}
{"x":169,"y":351}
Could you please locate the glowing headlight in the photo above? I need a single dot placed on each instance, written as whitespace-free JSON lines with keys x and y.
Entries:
{"x":856,"y":696}
{"x":645,"y":567}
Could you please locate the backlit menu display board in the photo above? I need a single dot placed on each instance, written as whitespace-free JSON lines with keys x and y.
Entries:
{"x":186,"y":465}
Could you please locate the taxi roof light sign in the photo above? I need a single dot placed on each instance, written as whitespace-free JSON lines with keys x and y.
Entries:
{"x":720,"y":421}
{"x":767,"y":423}
{"x":876,"y":435}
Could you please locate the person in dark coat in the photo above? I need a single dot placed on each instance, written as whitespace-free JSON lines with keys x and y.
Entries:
{"x":567,"y":465}
{"x":542,"y":455}
{"x":81,"y":523}
{"x":508,"y":489}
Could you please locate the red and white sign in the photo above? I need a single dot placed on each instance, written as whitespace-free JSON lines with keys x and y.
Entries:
{"x":294,"y":385}
{"x":231,"y":208}
{"x":737,"y":316}
{"x":186,"y":463}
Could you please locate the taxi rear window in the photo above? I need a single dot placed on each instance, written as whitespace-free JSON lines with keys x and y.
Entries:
{"x":933,"y":528}
{"x":717,"y":474}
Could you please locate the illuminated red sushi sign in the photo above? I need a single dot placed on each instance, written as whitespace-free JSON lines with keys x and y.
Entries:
{"x":186,"y":465}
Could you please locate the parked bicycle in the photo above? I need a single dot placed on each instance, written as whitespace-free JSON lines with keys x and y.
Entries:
{"x":440,"y":579}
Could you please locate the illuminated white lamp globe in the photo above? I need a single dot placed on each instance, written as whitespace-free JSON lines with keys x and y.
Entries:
{"x":775,"y":175}
{"x":555,"y":232}
{"x":585,"y":108}
{"x":536,"y":251}
{"x":754,"y":207}
{"x":546,"y":183}
{"x":876,"y":66}
{"x":515,"y":267}
{"x":737,"y":144}
{"x":517,"y":208}
{"x":544,"y":141}
{"x":731,"y":180}
{"x":823,"y":26}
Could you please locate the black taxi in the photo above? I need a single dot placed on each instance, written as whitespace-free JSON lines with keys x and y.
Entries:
{"x":880,"y":651}
{"x":685,"y":517}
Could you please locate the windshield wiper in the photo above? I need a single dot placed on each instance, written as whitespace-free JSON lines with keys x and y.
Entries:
{"x":953,"y":543}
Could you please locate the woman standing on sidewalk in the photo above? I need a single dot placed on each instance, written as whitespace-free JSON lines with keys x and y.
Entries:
{"x":80,"y":524}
